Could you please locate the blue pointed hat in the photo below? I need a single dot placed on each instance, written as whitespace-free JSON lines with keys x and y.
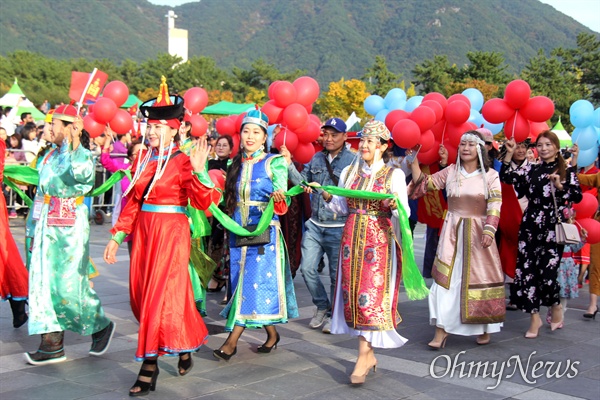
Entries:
{"x":256,"y":117}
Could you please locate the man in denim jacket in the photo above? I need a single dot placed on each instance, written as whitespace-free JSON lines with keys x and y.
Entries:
{"x":324,"y":229}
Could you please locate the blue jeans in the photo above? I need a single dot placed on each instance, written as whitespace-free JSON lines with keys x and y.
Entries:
{"x":316,"y":241}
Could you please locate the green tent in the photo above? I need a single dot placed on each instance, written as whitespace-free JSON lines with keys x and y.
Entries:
{"x":227,"y":108}
{"x":11,"y":98}
{"x":132,"y":100}
{"x":563,"y":135}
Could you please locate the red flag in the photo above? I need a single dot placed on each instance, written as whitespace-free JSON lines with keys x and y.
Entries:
{"x":79,"y":80}
{"x":133,"y":109}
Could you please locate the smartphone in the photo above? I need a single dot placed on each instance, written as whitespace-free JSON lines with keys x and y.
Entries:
{"x":414,"y":152}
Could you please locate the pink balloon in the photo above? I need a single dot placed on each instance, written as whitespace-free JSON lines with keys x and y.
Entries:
{"x":307,"y":90}
{"x":424,"y":117}
{"x":121,"y":123}
{"x":587,"y":207}
{"x":517,"y":93}
{"x":105,"y":110}
{"x":117,"y":91}
{"x":593,"y":229}
{"x":195,"y":99}
{"x":497,"y":111}
{"x":225,"y":126}
{"x":287,"y":138}
{"x":295,"y":116}
{"x":394,"y":116}
{"x":284,"y":94}
{"x":538,"y":109}
{"x":406,"y":133}
{"x":93,"y":127}
{"x":517,"y":126}
{"x":457,"y":112}
{"x":304,"y":153}
{"x":199,"y":125}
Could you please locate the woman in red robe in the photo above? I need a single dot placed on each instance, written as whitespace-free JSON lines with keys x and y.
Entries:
{"x":161,"y":293}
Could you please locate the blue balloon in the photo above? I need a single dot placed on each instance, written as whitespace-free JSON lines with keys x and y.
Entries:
{"x":494,"y":128}
{"x":393,"y":97}
{"x":587,"y":157}
{"x":413,"y":103}
{"x":397,"y":104}
{"x":586,"y":138}
{"x":597,"y":118}
{"x":382,"y":114}
{"x":475,"y":117}
{"x":581,"y":113}
{"x":373,"y":104}
{"x":475,"y":97}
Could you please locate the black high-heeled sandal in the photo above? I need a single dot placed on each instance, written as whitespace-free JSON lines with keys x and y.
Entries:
{"x":185,"y":364}
{"x":267,"y":349}
{"x":221,"y":355}
{"x":145,"y":387}
{"x":591,"y":315}
{"x":220,"y":286}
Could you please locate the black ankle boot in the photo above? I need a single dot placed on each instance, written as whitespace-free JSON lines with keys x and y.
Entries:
{"x":51,"y":350}
{"x":18,"y":310}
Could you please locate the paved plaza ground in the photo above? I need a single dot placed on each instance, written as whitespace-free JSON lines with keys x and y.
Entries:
{"x":309,"y":364}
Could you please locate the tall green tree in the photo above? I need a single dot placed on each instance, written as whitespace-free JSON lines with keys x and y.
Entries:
{"x":379,"y":78}
{"x":260,"y":75}
{"x":434,"y":75}
{"x":584,"y":60}
{"x":485,"y":66}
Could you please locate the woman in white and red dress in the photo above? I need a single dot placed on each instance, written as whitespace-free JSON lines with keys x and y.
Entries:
{"x":161,"y":293}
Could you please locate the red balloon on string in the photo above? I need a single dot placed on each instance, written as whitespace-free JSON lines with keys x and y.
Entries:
{"x":424,"y":117}
{"x":236,"y":144}
{"x":437,"y":97}
{"x":295,"y":116}
{"x":104,"y":110}
{"x":273,"y":112}
{"x":538,"y":109}
{"x":309,"y":134}
{"x":436,"y":107}
{"x":287,"y":138}
{"x":121,"y":122}
{"x":93,"y":127}
{"x":307,"y":90}
{"x":225,"y":126}
{"x":593,"y":229}
{"x":284,"y":94}
{"x":496,"y":111}
{"x":406,"y":133}
{"x":587,"y":207}
{"x":516,"y":94}
{"x":394,"y":116}
{"x":117,"y":91}
{"x":459,"y":97}
{"x":517,"y":126}
{"x":457,"y":112}
{"x":309,"y":108}
{"x":199,"y":125}
{"x":427,"y":140}
{"x":195,"y":99}
{"x":452,"y":153}
{"x":535,"y":128}
{"x":430,"y":156}
{"x":304,"y":153}
{"x":439,"y":130}
{"x":238,"y":122}
{"x":271,"y":90}
{"x":315,"y":119}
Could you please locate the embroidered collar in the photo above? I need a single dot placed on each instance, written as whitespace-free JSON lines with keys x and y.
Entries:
{"x":254,"y":155}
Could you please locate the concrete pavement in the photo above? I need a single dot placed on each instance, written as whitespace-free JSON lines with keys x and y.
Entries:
{"x":308,"y":364}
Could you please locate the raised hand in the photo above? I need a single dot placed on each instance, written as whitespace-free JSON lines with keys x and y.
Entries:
{"x":443,"y":153}
{"x":286,"y":154}
{"x":199,"y":154}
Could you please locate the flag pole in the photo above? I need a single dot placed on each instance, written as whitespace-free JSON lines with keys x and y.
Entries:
{"x":89,"y":82}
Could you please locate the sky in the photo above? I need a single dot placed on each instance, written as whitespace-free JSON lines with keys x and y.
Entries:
{"x":586,"y":12}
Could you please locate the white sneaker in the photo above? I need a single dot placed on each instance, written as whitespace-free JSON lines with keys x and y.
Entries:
{"x":318,"y":319}
{"x":327,"y":325}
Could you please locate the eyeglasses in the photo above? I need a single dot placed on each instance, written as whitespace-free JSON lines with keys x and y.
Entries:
{"x":222,"y":145}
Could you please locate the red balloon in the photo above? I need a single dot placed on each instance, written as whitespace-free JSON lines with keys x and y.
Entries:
{"x":430,"y":156}
{"x":427,"y":140}
{"x":517,"y":126}
{"x":225,"y":126}
{"x":105,"y":110}
{"x":199,"y":125}
{"x":273,"y":112}
{"x":457,"y":112}
{"x":593,"y":229}
{"x":284,"y":94}
{"x":295,"y":116}
{"x":121,"y":122}
{"x":497,"y":111}
{"x":437,"y":97}
{"x":309,"y":134}
{"x":459,"y":97}
{"x":516,"y":94}
{"x":238,"y":122}
{"x":309,"y":108}
{"x":406,"y":133}
{"x":436,"y":107}
{"x":317,"y":147}
{"x":93,"y":127}
{"x":216,"y":176}
{"x":117,"y":91}
{"x":538,"y":109}
{"x":304,"y":153}
{"x":195,"y":99}
{"x":452,"y":153}
{"x":439,"y":130}
{"x":424,"y":117}
{"x":236,"y":145}
{"x":535,"y":128}
{"x":394,"y":116}
{"x":307,"y":90}
{"x":287,"y":138}
{"x":454,"y":132}
{"x":315,"y":119}
{"x":270,"y":91}
{"x":587,"y":207}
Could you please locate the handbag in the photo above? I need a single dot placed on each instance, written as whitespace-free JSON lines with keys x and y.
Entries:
{"x":565,"y":233}
{"x":262,"y":239}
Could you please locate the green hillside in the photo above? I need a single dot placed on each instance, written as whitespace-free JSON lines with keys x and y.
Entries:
{"x":329,"y":39}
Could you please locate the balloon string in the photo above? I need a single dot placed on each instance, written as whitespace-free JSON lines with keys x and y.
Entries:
{"x":284,"y":136}
{"x":444,"y":131}
{"x":515,"y":123}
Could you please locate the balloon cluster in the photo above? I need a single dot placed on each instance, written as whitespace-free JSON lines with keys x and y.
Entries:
{"x":194,"y":101}
{"x":289,"y":107}
{"x":106,"y":111}
{"x":517,"y":110}
{"x":587,"y":130}
{"x":585,"y":211}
